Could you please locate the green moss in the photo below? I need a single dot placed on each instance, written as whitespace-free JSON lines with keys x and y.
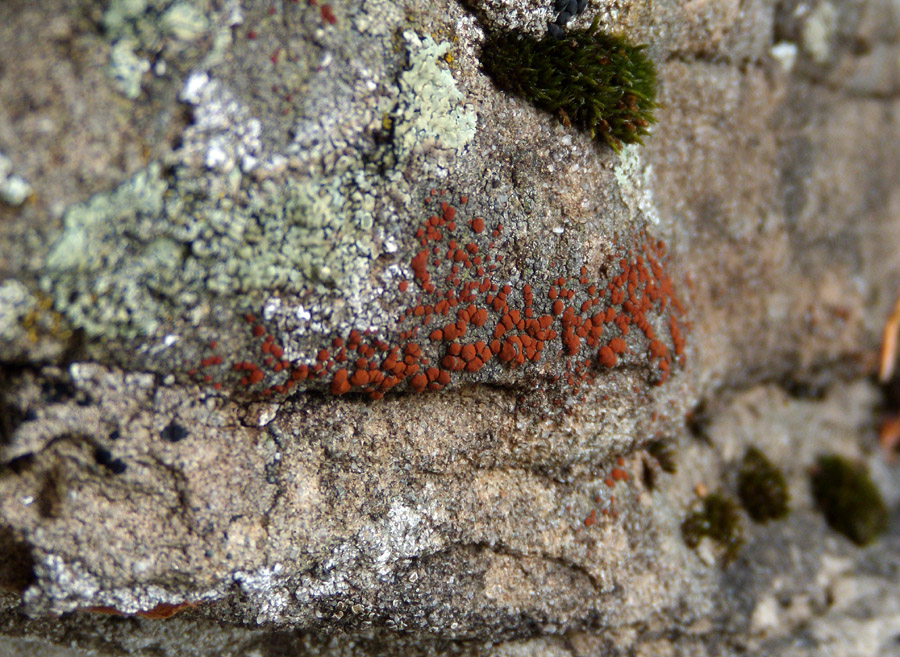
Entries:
{"x":717,"y":519}
{"x":762,"y":488}
{"x":599,"y":82}
{"x":850,"y":502}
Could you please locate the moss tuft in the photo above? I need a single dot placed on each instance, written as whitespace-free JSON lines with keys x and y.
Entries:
{"x":596,"y":81}
{"x":717,"y":519}
{"x":850,"y":502}
{"x":762,"y":488}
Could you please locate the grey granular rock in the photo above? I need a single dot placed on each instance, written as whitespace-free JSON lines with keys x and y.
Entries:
{"x":313,"y":341}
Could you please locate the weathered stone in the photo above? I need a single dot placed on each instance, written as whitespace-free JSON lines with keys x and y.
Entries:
{"x":188,"y":165}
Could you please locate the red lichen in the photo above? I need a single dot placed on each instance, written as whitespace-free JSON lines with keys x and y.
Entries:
{"x":473,"y":319}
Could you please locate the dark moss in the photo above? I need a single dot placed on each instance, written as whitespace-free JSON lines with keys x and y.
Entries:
{"x":762,"y":488}
{"x":848,"y":499}
{"x":664,"y":452}
{"x":595,"y":81}
{"x":719,"y":519}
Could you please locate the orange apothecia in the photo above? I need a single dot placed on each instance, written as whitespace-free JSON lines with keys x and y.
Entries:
{"x":460,"y":316}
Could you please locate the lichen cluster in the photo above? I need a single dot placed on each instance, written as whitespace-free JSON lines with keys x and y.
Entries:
{"x":849,"y":500}
{"x":596,"y":81}
{"x":131,"y":259}
{"x":460,"y":318}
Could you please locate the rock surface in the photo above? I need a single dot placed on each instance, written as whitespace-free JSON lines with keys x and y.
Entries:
{"x":314,"y":342}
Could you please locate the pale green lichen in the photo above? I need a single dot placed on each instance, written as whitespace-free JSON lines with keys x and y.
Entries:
{"x":15,"y":302}
{"x":158,"y":247}
{"x":119,"y":12}
{"x":818,"y":32}
{"x":145,"y":30}
{"x":184,"y":21}
{"x":126,"y":68}
{"x":429,"y":110}
{"x":128,"y":259}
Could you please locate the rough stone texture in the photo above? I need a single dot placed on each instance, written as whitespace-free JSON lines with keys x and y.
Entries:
{"x":187,"y":163}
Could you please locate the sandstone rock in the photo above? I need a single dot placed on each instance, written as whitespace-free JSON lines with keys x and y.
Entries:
{"x":234,"y":421}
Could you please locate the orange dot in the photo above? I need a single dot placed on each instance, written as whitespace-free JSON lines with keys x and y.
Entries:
{"x":606,"y":357}
{"x":618,"y":474}
{"x":657,"y":349}
{"x":617,"y":345}
{"x":474,"y":365}
{"x":359,"y":378}
{"x":511,"y":349}
{"x":339,"y":383}
{"x":468,"y":352}
{"x":452,"y":331}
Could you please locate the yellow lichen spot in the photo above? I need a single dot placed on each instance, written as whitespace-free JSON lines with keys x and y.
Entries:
{"x":43,"y":320}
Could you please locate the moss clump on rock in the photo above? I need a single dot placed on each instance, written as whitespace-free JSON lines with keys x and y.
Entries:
{"x":718,"y":519}
{"x":849,"y":500}
{"x":596,"y":81}
{"x":761,"y":487}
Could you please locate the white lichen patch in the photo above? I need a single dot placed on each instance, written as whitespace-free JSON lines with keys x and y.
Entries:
{"x":15,"y":302}
{"x":184,"y":21}
{"x":60,"y":586}
{"x":635,"y":178}
{"x":14,"y":189}
{"x":785,"y":53}
{"x":265,"y":588}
